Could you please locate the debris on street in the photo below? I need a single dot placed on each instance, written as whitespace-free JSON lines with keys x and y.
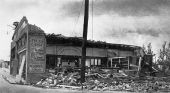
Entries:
{"x":105,"y":81}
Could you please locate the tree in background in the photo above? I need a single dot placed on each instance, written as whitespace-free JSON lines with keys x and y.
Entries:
{"x":147,"y":61}
{"x":164,"y":57}
{"x":148,"y":50}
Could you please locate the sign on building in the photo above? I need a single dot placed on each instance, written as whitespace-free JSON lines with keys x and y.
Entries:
{"x":37,"y":54}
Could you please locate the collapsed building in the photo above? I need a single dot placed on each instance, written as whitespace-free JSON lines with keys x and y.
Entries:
{"x":35,"y":53}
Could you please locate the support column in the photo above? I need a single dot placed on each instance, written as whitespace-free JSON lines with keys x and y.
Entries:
{"x":58,"y":61}
{"x":111,"y":63}
{"x":128,"y":63}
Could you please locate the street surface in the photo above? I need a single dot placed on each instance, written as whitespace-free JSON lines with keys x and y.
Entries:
{"x":6,"y":87}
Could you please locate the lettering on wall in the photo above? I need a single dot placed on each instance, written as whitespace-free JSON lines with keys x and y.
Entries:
{"x":36,"y":68}
{"x":37,"y":54}
{"x":37,"y":49}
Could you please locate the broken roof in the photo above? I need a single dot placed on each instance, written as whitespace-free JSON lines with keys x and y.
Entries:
{"x":77,"y":41}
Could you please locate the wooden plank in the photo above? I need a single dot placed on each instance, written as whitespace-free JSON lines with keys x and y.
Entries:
{"x":19,"y":76}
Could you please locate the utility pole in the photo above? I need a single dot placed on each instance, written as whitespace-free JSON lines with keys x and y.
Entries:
{"x":85,"y":28}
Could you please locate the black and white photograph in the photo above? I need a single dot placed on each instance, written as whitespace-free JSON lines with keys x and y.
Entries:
{"x":84,"y":46}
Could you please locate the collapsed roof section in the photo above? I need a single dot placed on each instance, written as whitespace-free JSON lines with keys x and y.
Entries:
{"x":77,"y":41}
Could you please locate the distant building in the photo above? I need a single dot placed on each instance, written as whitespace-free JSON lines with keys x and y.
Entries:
{"x":4,"y":64}
{"x":34,"y":53}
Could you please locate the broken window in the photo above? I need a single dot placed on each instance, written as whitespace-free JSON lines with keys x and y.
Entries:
{"x":119,"y":62}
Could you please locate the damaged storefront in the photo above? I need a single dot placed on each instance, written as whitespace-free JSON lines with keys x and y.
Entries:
{"x":35,"y":53}
{"x":66,"y":51}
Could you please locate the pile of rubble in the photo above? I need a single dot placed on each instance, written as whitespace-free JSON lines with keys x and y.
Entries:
{"x":99,"y":80}
{"x":61,"y":78}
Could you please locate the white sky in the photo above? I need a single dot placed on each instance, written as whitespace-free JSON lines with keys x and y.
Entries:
{"x":134,"y":22}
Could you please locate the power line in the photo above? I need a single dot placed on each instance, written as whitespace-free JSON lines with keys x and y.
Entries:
{"x":92,"y":23}
{"x":92,"y":19}
{"x":9,"y":32}
{"x":78,"y":16}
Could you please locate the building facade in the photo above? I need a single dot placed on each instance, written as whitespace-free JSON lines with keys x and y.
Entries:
{"x":34,"y":53}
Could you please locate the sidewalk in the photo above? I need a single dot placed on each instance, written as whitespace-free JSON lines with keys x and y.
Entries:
{"x":6,"y":75}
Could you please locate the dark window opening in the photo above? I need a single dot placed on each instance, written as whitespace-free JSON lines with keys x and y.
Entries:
{"x":119,"y":62}
{"x":13,"y":53}
{"x":50,"y":62}
{"x":72,"y":61}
